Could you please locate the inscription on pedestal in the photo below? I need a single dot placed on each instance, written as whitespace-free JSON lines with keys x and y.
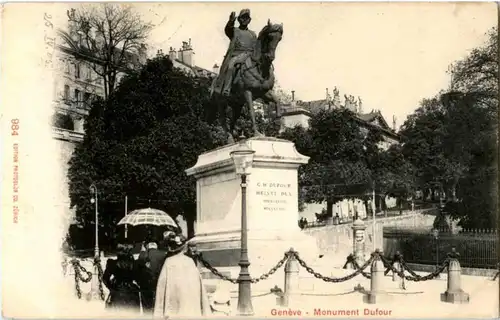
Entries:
{"x":274,"y":196}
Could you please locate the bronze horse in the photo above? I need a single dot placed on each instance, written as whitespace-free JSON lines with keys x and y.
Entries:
{"x":253,"y":79}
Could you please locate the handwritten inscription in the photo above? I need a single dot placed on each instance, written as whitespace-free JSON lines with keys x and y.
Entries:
{"x":49,"y":40}
{"x":274,"y":195}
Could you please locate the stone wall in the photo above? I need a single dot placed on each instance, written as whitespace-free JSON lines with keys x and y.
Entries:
{"x":337,"y":239}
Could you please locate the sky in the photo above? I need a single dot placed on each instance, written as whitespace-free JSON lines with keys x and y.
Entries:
{"x":391,"y":55}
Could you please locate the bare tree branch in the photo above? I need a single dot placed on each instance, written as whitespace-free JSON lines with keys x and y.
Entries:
{"x":107,"y":35}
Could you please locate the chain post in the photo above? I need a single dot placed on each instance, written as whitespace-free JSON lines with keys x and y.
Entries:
{"x":291,"y":279}
{"x":376,"y":278}
{"x":454,"y":293}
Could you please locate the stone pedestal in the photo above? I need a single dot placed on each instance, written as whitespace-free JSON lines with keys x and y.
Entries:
{"x":272,"y":207}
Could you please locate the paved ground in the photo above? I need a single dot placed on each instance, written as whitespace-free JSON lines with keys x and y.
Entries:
{"x":421,"y":299}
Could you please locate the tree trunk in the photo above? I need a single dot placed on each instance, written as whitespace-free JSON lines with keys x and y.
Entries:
{"x":329,"y":209}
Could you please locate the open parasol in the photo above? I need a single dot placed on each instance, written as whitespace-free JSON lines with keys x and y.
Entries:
{"x":148,"y":216}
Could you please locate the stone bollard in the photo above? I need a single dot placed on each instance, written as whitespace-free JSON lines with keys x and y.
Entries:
{"x":377,"y":277}
{"x":454,"y":292}
{"x":291,"y":281}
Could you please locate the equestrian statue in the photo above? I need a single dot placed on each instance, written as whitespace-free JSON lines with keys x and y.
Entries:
{"x":246,"y":74}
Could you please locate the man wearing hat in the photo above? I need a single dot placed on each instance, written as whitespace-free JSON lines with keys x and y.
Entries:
{"x":241,"y":46}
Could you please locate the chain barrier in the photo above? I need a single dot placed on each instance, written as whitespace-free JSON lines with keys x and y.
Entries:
{"x":79,"y":277}
{"x":398,"y":257}
{"x":216,"y":272}
{"x":363,"y":273}
{"x":389,"y":264}
{"x":331,"y":279}
{"x":413,"y":276}
{"x":278,"y":265}
{"x":198,"y":256}
{"x":97,"y":263}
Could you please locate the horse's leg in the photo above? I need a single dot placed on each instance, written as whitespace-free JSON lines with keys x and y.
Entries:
{"x":222,"y":107}
{"x":236,"y":113}
{"x":249,"y":103}
{"x":269,"y":97}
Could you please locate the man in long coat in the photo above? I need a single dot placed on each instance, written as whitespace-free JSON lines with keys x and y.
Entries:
{"x":153,"y":260}
{"x":180,"y":291}
{"x":240,"y":48}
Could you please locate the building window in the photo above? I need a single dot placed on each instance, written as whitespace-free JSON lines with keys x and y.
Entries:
{"x":77,"y":70}
{"x":86,"y":72}
{"x":66,"y":93}
{"x":66,"y":67}
{"x":63,"y":121}
{"x":87,"y":98}
{"x":77,"y":95}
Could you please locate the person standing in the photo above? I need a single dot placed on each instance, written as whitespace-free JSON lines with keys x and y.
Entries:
{"x":121,"y":277}
{"x":180,"y":291}
{"x":150,"y":262}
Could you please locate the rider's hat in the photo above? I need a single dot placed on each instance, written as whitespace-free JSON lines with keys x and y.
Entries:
{"x":245,"y":13}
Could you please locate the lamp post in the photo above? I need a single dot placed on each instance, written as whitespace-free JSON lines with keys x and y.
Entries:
{"x":435,"y":233}
{"x":243,"y":158}
{"x":374,"y":223}
{"x":93,"y":189}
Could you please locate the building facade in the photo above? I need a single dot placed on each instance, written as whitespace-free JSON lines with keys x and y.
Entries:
{"x":298,"y":113}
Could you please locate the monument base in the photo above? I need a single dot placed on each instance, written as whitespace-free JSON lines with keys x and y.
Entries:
{"x":457,"y":297}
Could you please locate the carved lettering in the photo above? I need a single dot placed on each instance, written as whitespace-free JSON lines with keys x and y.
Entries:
{"x":274,"y":195}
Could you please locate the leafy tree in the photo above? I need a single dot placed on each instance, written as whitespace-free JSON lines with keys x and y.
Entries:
{"x":422,"y":144}
{"x":477,"y":74}
{"x":139,"y":142}
{"x":473,"y":141}
{"x":107,"y":38}
{"x":451,"y":139}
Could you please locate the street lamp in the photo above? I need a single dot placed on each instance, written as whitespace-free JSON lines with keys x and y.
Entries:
{"x":243,"y":158}
{"x":374,"y":223}
{"x":435,"y":233}
{"x":93,"y":189}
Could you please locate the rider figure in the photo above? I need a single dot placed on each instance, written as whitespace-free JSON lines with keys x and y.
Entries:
{"x":241,"y":46}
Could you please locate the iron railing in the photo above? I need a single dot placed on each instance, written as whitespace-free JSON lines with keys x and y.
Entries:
{"x":477,"y":248}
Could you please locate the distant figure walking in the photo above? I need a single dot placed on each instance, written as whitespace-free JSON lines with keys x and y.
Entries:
{"x":180,"y":291}
{"x":150,"y":263}
{"x":120,"y":277}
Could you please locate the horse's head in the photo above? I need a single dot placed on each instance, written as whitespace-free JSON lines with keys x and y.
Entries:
{"x":269,"y":38}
